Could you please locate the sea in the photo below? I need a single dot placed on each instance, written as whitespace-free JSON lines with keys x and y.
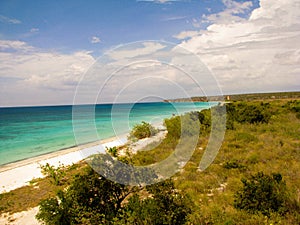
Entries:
{"x":26,"y":132}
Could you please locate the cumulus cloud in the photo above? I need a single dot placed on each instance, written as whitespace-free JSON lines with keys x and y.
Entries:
{"x":260,"y":53}
{"x":7,"y":45}
{"x":95,"y":40}
{"x":141,"y":70}
{"x":230,"y":14}
{"x":30,"y":76}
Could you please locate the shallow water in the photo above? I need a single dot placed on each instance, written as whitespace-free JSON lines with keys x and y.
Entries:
{"x":26,"y":132}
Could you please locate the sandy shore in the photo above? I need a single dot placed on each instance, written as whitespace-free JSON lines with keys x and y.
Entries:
{"x":19,"y":174}
{"x":21,"y":218}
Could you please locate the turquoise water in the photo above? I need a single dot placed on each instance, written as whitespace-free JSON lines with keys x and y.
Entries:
{"x":26,"y":132}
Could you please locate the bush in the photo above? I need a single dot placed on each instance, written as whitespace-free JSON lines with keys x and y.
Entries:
{"x":187,"y":125}
{"x":93,"y":199}
{"x":173,"y":126}
{"x":113,"y":151}
{"x":142,"y":130}
{"x":252,"y":113}
{"x":165,"y":206}
{"x":294,"y":106}
{"x":90,"y":199}
{"x":56,"y":174}
{"x":234,"y":165}
{"x":262,"y":193}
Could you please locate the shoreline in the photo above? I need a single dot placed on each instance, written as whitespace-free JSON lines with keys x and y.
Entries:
{"x":44,"y":156}
{"x":17,"y":174}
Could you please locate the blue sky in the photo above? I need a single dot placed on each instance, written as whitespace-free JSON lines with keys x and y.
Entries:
{"x":71,"y":25}
{"x":47,"y":47}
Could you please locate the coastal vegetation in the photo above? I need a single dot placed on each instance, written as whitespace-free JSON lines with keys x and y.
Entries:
{"x":142,"y":130}
{"x":253,"y":180}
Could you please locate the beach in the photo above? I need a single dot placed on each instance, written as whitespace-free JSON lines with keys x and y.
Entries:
{"x":18,"y":174}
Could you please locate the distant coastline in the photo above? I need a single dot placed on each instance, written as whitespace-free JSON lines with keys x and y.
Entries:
{"x":239,"y":97}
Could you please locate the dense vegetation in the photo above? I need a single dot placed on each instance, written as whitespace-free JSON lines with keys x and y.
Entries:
{"x":253,"y":180}
{"x":142,"y":130}
{"x":242,"y":97}
{"x":93,"y":199}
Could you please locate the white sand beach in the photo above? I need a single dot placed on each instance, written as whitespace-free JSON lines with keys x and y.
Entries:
{"x":21,"y":218}
{"x":20,"y":173}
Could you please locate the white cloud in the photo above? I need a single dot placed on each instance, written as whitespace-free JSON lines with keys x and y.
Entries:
{"x":30,"y":76}
{"x":187,"y":34}
{"x":95,"y":40}
{"x":137,"y":50}
{"x":34,"y":30}
{"x":141,"y":70}
{"x":229,"y":15}
{"x":256,"y":54}
{"x":170,"y":18}
{"x":14,"y":45}
{"x":161,"y":1}
{"x":8,"y":20}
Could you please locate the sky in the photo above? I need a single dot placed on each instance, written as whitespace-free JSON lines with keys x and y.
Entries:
{"x":59,"y":52}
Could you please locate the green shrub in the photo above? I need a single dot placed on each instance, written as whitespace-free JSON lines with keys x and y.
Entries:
{"x":294,"y":106}
{"x":93,"y":199}
{"x":142,"y":130}
{"x":262,"y":193}
{"x":165,"y":206}
{"x":234,"y":165}
{"x":252,"y":113}
{"x":113,"y":151}
{"x":90,"y":199}
{"x":173,"y":126}
{"x":56,"y":174}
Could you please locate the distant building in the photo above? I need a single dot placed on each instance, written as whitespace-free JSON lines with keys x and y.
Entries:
{"x":228,"y":98}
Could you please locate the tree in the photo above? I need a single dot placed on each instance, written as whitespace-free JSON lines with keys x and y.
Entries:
{"x":93,"y":199}
{"x":89,"y":198}
{"x":163,"y":205}
{"x":262,"y":193}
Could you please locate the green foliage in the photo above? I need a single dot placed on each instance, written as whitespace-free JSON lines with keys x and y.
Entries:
{"x":173,"y":126}
{"x":205,"y":120}
{"x":214,"y":194}
{"x":234,"y":164}
{"x":183,"y":126}
{"x":294,"y":106}
{"x":243,"y":112}
{"x":142,"y":130}
{"x":93,"y":199}
{"x":113,"y":151}
{"x":165,"y":206}
{"x":90,"y":199}
{"x":121,"y":171}
{"x":56,"y":174}
{"x":262,"y":193}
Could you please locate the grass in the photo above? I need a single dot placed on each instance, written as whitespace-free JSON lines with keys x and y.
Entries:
{"x":247,"y":149}
{"x":29,"y":196}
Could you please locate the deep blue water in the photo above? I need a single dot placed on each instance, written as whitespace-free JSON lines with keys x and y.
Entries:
{"x":26,"y":132}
